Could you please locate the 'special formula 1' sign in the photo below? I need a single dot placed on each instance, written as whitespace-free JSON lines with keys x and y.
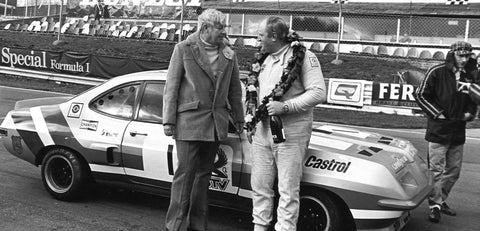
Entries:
{"x":44,"y":60}
{"x":76,"y":63}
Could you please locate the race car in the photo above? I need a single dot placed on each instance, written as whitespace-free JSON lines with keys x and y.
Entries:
{"x":113,"y":134}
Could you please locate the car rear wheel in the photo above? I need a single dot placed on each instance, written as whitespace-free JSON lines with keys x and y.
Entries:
{"x":319,"y":211}
{"x":64,"y":175}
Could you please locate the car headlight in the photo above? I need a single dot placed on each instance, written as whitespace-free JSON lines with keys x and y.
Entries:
{"x":409,"y":184}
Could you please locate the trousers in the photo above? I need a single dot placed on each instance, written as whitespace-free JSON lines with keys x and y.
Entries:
{"x":445,"y":164}
{"x":189,"y":192}
{"x":282,"y":161}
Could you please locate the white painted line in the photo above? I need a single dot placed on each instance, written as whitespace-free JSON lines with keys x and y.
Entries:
{"x":25,"y":89}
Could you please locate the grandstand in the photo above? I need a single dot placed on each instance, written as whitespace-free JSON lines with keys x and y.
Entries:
{"x":409,"y":30}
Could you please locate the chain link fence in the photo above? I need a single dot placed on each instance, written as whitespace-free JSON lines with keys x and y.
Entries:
{"x":403,"y":35}
{"x":397,"y":35}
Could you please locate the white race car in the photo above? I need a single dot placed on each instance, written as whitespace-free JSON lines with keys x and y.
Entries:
{"x":113,"y":134}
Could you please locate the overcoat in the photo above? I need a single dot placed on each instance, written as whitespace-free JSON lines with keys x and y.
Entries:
{"x":197,"y":101}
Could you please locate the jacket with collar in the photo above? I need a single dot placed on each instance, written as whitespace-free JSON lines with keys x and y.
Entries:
{"x":196,"y":101}
{"x":439,"y":94}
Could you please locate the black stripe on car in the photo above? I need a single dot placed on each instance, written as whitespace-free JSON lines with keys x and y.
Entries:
{"x":24,"y":125}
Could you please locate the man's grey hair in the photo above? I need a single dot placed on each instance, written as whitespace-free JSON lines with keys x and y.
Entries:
{"x":210,"y":17}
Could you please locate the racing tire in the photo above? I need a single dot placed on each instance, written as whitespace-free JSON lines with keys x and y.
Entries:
{"x":320,"y":211}
{"x":64,"y":175}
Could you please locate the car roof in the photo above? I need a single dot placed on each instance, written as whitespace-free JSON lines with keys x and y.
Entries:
{"x":143,"y":75}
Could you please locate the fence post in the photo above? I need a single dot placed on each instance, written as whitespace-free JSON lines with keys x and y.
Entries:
{"x":337,"y":61}
{"x":467,"y":29}
{"x":291,"y":22}
{"x":398,"y":30}
{"x":243,"y":24}
{"x":5,"y":10}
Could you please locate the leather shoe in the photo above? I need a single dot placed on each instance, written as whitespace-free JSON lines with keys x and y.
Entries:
{"x":447,"y":210}
{"x":434,"y":215}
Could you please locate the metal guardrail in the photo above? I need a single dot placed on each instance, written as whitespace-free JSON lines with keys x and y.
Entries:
{"x":51,"y":76}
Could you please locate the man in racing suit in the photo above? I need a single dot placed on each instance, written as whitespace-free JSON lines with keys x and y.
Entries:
{"x":283,"y":160}
{"x":443,"y":96}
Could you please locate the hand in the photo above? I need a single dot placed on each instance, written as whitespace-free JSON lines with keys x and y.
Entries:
{"x":441,"y":117}
{"x":239,"y":127}
{"x":169,"y":130}
{"x":467,"y":116}
{"x":275,"y":107}
{"x":250,"y":135}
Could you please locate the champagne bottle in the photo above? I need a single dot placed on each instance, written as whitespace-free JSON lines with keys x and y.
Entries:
{"x":276,"y":128}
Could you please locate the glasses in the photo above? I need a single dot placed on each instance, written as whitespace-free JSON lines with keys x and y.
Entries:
{"x":220,"y":26}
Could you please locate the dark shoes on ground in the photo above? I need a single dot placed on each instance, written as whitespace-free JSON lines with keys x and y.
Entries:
{"x":447,"y":210}
{"x":434,"y":215}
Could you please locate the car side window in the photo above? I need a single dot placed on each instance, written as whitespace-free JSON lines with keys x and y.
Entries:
{"x":151,"y":104}
{"x":118,"y":102}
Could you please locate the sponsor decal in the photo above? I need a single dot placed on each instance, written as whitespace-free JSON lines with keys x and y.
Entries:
{"x":399,"y":162}
{"x":105,"y":132}
{"x":219,"y":179}
{"x":75,"y":110}
{"x":89,"y":125}
{"x":346,"y":91}
{"x":17,"y":144}
{"x":330,"y":165}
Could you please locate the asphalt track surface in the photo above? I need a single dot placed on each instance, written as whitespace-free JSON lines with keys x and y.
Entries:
{"x":25,"y":205}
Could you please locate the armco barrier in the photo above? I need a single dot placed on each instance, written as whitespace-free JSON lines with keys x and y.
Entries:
{"x":95,"y":81}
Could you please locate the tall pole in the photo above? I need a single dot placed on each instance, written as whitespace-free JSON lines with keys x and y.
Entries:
{"x":340,"y":29}
{"x":5,"y":11}
{"x":26,"y":8}
{"x":181,"y":22}
{"x":60,"y":21}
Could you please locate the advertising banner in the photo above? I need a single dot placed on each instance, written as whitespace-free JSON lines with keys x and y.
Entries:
{"x":346,"y":91}
{"x":75,"y":63}
{"x":394,"y":94}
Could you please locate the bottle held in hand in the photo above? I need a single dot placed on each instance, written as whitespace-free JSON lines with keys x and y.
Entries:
{"x":276,"y":128}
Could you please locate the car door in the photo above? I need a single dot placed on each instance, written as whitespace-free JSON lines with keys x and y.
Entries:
{"x":99,"y":127}
{"x":150,"y":157}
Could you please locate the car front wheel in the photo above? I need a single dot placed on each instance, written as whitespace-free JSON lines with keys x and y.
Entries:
{"x":64,"y":175}
{"x":319,"y":211}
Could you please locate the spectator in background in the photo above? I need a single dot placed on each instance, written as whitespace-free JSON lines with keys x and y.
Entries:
{"x":443,"y":96}
{"x":202,"y":90}
{"x":98,"y":11}
{"x":106,"y":11}
{"x":283,"y":161}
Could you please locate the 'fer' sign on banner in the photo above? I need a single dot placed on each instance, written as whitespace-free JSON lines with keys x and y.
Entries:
{"x":394,"y":94}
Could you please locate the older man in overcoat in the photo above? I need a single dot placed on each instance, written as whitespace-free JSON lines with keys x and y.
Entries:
{"x":202,"y":90}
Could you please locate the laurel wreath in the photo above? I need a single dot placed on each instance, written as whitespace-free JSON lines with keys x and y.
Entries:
{"x":291,"y":72}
